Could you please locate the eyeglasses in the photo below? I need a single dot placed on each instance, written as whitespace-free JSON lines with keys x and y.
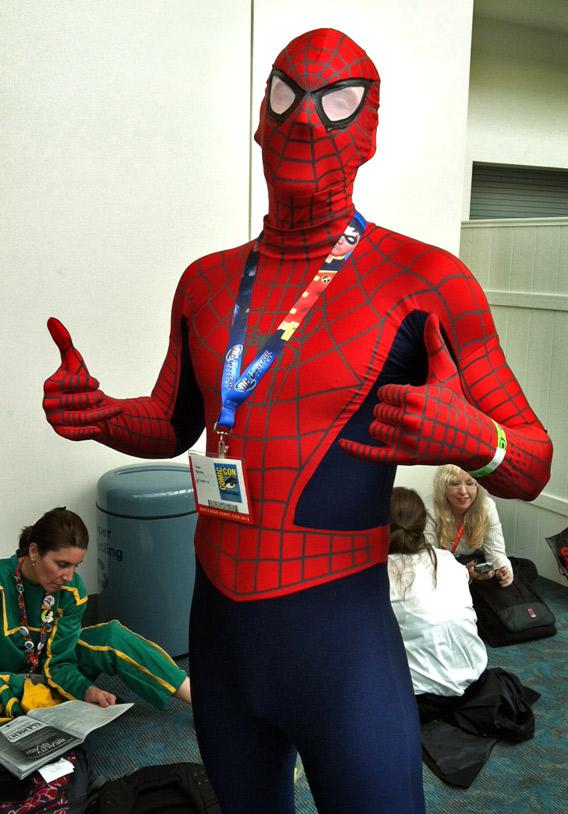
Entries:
{"x":457,"y":484}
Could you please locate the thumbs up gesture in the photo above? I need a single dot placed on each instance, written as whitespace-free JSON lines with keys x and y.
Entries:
{"x":73,"y":403}
{"x":432,"y":423}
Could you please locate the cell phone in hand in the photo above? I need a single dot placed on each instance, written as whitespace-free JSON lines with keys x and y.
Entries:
{"x":482,"y":567}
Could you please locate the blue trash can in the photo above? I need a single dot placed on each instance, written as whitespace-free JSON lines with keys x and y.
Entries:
{"x":146,"y":520}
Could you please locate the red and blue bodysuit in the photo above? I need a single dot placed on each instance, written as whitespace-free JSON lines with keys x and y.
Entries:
{"x":293,"y":642}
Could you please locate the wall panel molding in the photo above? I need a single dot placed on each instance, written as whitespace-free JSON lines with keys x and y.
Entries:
{"x":527,"y":299}
{"x":552,"y":503}
{"x":488,"y":223}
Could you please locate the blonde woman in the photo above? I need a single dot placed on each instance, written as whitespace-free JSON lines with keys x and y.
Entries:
{"x":464,"y":520}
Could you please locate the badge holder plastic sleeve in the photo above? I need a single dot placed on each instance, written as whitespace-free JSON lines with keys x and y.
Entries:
{"x":209,"y":502}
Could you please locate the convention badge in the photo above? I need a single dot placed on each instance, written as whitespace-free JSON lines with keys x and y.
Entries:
{"x":220,"y":487}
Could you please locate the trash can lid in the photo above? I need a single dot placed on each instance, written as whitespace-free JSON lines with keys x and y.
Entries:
{"x":146,"y":490}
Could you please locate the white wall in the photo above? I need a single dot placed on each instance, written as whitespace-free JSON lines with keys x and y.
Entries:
{"x":122,"y":165}
{"x":127,"y":156}
{"x":518,"y":114}
{"x":518,"y":103}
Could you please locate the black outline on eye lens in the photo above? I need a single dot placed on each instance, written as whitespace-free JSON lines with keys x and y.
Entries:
{"x":317,"y":96}
{"x":339,"y":124}
{"x":298,"y":92}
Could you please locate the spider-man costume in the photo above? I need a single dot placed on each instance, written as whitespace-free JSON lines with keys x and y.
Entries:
{"x":397,"y":362}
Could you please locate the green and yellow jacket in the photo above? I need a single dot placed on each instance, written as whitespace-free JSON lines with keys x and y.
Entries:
{"x":59,"y":659}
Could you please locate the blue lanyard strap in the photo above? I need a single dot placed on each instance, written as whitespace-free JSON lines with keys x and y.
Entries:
{"x":236,"y":386}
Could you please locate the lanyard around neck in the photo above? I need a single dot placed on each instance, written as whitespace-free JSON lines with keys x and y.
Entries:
{"x":32,"y":651}
{"x":456,"y":542}
{"x":237,"y":385}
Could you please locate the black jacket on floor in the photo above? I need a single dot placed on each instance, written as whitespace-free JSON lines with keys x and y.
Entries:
{"x":459,"y":732}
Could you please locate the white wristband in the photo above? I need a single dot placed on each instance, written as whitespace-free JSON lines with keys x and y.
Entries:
{"x":497,"y":458}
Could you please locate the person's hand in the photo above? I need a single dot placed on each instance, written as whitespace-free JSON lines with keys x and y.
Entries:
{"x":504,"y":576}
{"x":73,"y":403}
{"x":474,"y":576}
{"x":432,"y":423}
{"x":96,"y":696}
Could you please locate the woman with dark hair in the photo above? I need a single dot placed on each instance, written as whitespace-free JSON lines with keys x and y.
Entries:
{"x":43,"y":601}
{"x":455,"y":691}
{"x":432,"y":603}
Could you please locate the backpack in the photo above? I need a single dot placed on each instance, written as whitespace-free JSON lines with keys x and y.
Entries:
{"x":34,"y":795}
{"x":176,"y":787}
{"x":510,"y":615}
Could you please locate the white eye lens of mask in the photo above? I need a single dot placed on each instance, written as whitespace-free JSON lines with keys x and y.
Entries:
{"x":342,"y":103}
{"x":281,"y":96}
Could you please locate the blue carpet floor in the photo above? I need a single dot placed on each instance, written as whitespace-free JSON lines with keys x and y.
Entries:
{"x":527,"y":778}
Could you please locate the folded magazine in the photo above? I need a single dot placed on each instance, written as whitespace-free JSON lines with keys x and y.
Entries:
{"x":43,"y":735}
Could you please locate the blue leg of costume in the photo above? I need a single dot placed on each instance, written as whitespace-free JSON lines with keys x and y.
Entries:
{"x":322,"y":671}
{"x":143,"y":666}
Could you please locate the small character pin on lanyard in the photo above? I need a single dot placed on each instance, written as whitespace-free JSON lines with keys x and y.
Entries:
{"x":33,"y":653}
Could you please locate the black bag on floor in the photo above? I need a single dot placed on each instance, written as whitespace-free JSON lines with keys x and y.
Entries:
{"x":34,"y":795}
{"x":510,"y":615}
{"x":559,"y":546}
{"x":176,"y":787}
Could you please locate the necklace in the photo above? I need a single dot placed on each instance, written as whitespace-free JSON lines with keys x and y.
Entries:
{"x":33,"y":653}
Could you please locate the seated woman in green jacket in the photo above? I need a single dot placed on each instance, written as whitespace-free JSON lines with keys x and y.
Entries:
{"x":43,"y":600}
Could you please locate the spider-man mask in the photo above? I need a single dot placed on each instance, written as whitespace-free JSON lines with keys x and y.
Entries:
{"x":319,"y":115}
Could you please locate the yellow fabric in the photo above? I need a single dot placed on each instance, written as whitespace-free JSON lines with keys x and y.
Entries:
{"x":78,"y":599}
{"x":126,"y":658}
{"x":37,"y":695}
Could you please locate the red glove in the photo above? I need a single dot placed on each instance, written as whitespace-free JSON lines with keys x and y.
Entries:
{"x":73,"y":403}
{"x":430,"y":424}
